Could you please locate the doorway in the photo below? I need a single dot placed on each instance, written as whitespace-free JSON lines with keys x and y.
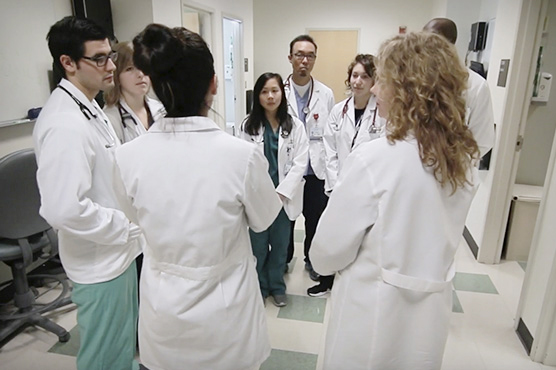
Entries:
{"x":197,"y":20}
{"x":232,"y":41}
{"x":336,"y":50}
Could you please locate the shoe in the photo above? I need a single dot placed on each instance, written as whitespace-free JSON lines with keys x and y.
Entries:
{"x":318,"y":290}
{"x":280,"y":300}
{"x":314,"y":275}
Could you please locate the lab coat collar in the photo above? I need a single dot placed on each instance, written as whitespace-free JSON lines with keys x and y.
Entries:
{"x":184,"y":124}
{"x":92,"y":105}
{"x":371,"y":106}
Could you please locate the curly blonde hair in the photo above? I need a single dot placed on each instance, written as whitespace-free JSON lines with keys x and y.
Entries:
{"x":428,"y":83}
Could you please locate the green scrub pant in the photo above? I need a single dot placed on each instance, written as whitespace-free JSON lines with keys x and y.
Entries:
{"x":271,"y":262}
{"x":107,"y":322}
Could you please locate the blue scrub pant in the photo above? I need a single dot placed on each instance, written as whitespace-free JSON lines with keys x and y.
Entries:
{"x":271,"y":262}
{"x":107,"y":322}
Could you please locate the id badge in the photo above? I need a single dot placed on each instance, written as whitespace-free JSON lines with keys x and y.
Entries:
{"x":315,"y":133}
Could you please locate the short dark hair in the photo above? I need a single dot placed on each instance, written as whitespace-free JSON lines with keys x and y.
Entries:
{"x":302,"y":38}
{"x":68,"y":37}
{"x":368,"y":63}
{"x":255,"y":120}
{"x":180,"y":66}
{"x":443,"y":27}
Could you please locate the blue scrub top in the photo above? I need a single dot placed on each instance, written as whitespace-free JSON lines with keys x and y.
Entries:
{"x":271,"y":151}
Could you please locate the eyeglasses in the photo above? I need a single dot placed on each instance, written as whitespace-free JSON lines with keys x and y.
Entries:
{"x":300,"y":56}
{"x":101,"y":60}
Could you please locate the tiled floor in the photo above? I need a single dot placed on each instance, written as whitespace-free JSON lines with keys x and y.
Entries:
{"x":481,"y":332}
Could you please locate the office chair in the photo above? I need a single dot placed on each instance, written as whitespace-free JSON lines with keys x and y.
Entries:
{"x":24,"y":237}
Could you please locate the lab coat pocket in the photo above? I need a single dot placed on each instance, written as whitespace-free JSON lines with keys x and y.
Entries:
{"x":294,"y":206}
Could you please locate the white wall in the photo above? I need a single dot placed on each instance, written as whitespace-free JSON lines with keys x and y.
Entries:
{"x":464,"y":13}
{"x":277,"y":23}
{"x":24,"y":64}
{"x":25,"y":59}
{"x":439,"y":8}
{"x":129,"y":17}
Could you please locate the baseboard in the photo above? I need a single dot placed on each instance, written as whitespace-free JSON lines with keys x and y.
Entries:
{"x":525,"y":336}
{"x":470,"y":242}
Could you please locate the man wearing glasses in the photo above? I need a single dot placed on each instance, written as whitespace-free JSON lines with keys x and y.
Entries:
{"x":311,"y":102}
{"x":74,"y":145}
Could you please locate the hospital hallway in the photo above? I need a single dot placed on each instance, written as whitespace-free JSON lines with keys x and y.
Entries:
{"x":481,"y":331}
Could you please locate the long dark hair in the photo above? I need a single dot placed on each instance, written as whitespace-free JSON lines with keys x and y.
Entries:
{"x":180,"y":66}
{"x":255,"y":120}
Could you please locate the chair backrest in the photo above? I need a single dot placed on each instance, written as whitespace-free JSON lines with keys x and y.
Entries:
{"x":19,"y":196}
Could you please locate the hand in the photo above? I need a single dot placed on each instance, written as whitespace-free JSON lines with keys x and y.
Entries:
{"x":134,"y":232}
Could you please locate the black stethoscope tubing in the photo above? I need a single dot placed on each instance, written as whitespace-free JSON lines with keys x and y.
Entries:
{"x":124,"y":114}
{"x":88,"y":114}
{"x":306,"y":108}
{"x":372,"y":128}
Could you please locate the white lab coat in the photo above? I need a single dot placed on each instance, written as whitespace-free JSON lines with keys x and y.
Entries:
{"x":320,"y":105}
{"x":479,"y":115}
{"x":340,"y":131}
{"x":390,"y":231}
{"x":195,"y":190}
{"x":75,"y":157}
{"x":133,"y":127}
{"x":292,"y":164}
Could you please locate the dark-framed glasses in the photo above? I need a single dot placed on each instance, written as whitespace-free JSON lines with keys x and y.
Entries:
{"x":101,"y":60}
{"x":310,"y":57}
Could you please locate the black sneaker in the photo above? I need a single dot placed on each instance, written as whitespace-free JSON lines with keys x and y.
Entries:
{"x":318,"y":290}
{"x":314,"y":275}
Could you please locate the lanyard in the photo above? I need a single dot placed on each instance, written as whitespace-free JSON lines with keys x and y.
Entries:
{"x":111,"y":142}
{"x":372,"y":129}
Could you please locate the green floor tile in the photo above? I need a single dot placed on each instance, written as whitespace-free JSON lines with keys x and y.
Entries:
{"x":71,"y":347}
{"x":280,"y":360}
{"x":303,"y":309}
{"x":298,"y":236}
{"x":456,"y":304}
{"x":477,"y":283}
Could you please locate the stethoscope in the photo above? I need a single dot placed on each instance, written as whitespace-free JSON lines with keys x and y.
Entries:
{"x":373,"y":128}
{"x":306,"y":108}
{"x":259,"y":139}
{"x":111,"y":142}
{"x":125,"y":115}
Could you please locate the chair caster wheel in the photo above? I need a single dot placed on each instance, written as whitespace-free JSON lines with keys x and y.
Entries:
{"x":64,"y":338}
